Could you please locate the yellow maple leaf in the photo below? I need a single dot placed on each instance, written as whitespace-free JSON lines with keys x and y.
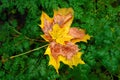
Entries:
{"x":52,"y":61}
{"x":78,"y":35}
{"x":45,"y":20}
{"x":75,"y":60}
{"x":63,"y":16}
{"x":84,"y":39}
{"x":60,"y":35}
{"x":62,"y":38}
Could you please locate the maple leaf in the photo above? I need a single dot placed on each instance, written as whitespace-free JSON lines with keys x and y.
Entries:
{"x":55,"y":63}
{"x":46,"y":26}
{"x":60,"y":35}
{"x":68,"y":54}
{"x":46,"y":22}
{"x":61,"y":17}
{"x":78,"y":35}
{"x":62,"y":38}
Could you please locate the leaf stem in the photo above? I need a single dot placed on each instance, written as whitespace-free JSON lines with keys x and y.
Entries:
{"x":26,"y":36}
{"x":17,"y":31}
{"x":28,"y":51}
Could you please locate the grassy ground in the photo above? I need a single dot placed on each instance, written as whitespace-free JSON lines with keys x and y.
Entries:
{"x":19,"y":33}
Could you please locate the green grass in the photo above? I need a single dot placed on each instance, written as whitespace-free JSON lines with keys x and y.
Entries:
{"x":19,"y":33}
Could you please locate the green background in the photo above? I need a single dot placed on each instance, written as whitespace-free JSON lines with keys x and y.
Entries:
{"x":19,"y":32}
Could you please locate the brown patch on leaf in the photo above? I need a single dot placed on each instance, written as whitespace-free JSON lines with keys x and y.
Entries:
{"x":67,"y":50}
{"x":47,"y":26}
{"x":76,"y":33}
{"x":62,"y":19}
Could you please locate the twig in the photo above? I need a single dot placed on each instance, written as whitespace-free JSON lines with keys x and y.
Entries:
{"x":17,"y":31}
{"x":26,"y":36}
{"x":4,"y":60}
{"x":28,"y":51}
